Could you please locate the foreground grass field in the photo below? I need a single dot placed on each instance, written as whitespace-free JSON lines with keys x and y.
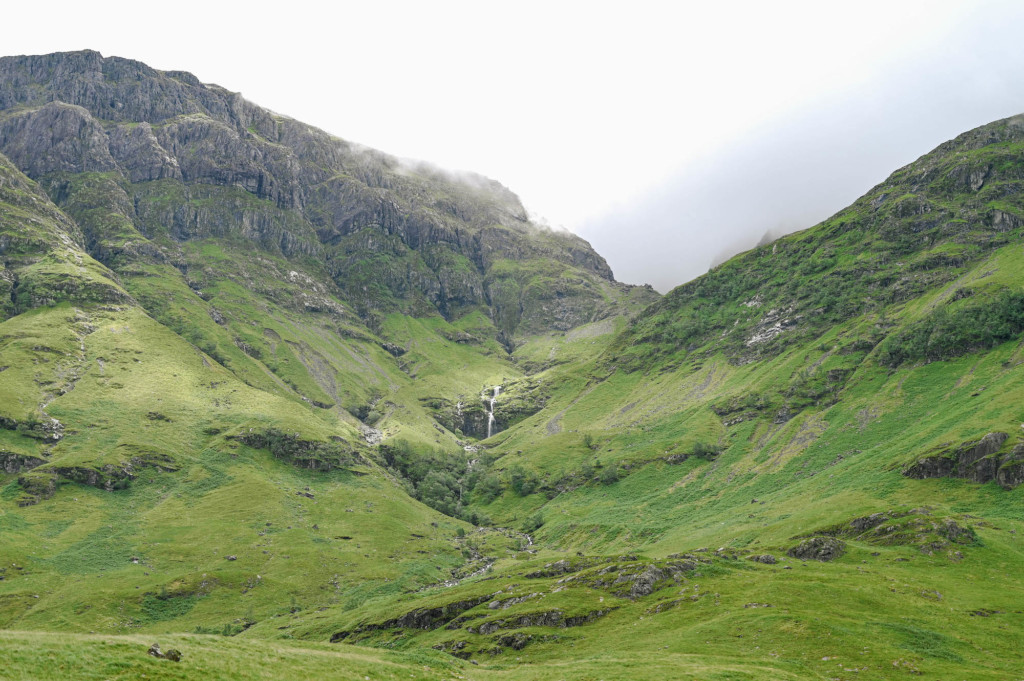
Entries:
{"x":32,"y":656}
{"x":35,"y":656}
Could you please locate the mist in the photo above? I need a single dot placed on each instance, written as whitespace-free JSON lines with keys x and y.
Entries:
{"x":793,"y":172}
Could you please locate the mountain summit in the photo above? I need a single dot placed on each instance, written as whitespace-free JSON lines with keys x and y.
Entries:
{"x":178,"y":161}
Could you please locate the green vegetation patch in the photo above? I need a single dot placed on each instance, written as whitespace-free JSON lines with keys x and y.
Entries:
{"x":945,"y":333}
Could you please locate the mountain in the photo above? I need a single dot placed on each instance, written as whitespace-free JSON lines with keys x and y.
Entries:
{"x":266,"y":394}
{"x":173,"y":161}
{"x":294,"y":260}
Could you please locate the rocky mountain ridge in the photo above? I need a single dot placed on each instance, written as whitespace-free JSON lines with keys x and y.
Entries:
{"x":169,"y":155}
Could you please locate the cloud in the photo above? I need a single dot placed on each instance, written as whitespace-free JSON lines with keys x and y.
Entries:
{"x":799,"y":169}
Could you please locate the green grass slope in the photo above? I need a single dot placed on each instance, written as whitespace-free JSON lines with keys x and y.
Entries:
{"x":779,"y":385}
{"x":858,"y":382}
{"x":145,"y":484}
{"x":33,"y":655}
{"x":805,"y":464}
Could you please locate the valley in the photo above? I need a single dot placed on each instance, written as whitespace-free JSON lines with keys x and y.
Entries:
{"x":299,"y":409}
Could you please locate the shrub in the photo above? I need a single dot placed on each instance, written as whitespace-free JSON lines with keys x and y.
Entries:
{"x":521,"y":482}
{"x":487,"y":488}
{"x":946,"y":334}
{"x":704,"y":450}
{"x":440,"y":479}
{"x":610,"y":474}
{"x":534,"y":523}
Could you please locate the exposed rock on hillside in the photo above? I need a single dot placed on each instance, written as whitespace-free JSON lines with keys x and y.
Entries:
{"x":12,"y":463}
{"x":914,"y":527}
{"x":183,"y":161}
{"x":976,"y":460}
{"x":421,"y":618}
{"x":315,"y":456}
{"x":818,"y":548}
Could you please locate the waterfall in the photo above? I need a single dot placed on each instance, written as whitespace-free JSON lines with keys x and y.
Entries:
{"x":490,"y":410}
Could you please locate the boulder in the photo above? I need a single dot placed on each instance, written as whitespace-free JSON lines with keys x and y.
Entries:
{"x":645,"y":583}
{"x":818,"y":548}
{"x":868,"y":522}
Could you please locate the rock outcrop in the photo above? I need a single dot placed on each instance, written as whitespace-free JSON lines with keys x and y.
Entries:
{"x":818,"y":548}
{"x":911,"y":527}
{"x":12,"y":463}
{"x":181,"y":160}
{"x":420,"y":618}
{"x":976,"y":460}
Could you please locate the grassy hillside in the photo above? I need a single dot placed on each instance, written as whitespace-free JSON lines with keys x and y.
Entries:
{"x":288,"y":449}
{"x":850,"y":382}
{"x":33,"y":655}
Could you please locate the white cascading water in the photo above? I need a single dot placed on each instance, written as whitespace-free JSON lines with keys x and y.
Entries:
{"x":490,"y":410}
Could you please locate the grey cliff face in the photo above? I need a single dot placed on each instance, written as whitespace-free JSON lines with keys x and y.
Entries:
{"x":186,"y":161}
{"x":56,"y":137}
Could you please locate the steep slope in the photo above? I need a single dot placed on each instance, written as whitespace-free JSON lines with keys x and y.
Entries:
{"x":148,"y":456}
{"x":770,"y":351}
{"x":174,"y":161}
{"x":198,"y":316}
{"x":925,"y":227}
{"x":805,"y":464}
{"x":849,"y":394}
{"x":295,"y":259}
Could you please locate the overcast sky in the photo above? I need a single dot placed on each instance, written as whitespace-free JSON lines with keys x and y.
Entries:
{"x":666,"y":133}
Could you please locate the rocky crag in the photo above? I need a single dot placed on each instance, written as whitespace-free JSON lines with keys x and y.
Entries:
{"x":146,"y":160}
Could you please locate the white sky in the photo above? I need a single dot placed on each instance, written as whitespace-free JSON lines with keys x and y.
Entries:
{"x":584,"y":109}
